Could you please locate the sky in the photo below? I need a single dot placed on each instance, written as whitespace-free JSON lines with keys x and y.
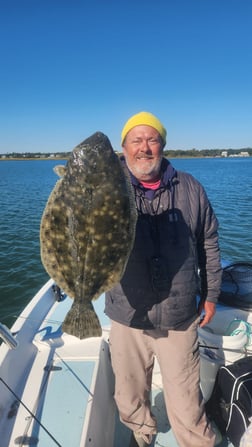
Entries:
{"x":69,"y":68}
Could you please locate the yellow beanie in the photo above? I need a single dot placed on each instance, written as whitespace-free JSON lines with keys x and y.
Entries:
{"x":145,"y":119}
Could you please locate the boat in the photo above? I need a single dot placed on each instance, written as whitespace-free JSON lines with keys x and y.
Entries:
{"x":57,"y":390}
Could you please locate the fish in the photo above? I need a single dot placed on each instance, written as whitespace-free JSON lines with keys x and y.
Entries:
{"x":87,"y":229}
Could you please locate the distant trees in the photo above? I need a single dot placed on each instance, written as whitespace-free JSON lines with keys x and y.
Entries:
{"x":195,"y":153}
{"x":34,"y":155}
{"x":171,"y":153}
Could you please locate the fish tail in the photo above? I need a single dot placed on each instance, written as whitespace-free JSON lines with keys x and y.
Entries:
{"x":82,"y":322}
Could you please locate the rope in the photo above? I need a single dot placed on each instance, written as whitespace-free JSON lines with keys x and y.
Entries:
{"x":238,"y":330}
{"x":30,"y":412}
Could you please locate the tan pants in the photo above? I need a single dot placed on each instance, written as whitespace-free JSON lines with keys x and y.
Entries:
{"x":133,"y":352}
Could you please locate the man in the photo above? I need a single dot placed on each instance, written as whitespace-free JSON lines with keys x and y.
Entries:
{"x":153,"y":310}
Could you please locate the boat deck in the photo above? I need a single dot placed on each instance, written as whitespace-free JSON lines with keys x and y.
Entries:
{"x":75,"y":391}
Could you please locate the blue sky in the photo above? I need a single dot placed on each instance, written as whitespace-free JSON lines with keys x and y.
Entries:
{"x":70,"y":68}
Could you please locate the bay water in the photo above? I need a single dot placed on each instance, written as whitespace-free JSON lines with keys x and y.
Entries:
{"x":24,"y":189}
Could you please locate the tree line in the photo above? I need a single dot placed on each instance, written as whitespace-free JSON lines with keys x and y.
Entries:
{"x":170,"y":153}
{"x":205,"y":152}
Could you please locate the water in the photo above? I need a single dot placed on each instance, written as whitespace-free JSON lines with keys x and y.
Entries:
{"x":228,"y":183}
{"x":24,"y":190}
{"x":26,"y":185}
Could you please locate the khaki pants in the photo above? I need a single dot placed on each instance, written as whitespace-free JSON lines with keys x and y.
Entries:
{"x":133,"y":352}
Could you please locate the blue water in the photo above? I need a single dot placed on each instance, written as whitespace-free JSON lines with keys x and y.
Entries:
{"x":26,"y":185}
{"x":24,"y":190}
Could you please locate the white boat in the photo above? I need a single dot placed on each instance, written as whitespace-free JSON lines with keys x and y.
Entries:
{"x":57,"y":390}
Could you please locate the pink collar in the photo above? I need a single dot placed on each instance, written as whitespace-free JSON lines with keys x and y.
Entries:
{"x":154,"y":185}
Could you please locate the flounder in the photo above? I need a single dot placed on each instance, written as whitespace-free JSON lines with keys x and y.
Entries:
{"x":87,"y":230}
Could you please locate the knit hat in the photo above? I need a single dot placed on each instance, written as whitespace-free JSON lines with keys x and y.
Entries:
{"x":145,"y":119}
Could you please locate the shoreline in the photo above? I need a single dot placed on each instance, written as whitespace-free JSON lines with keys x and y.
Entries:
{"x":182,"y":157}
{"x":33,"y":158}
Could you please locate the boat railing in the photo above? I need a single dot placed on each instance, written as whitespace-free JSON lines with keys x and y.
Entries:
{"x":8,"y":337}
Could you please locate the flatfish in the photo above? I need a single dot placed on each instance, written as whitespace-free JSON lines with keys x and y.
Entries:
{"x":87,"y":230}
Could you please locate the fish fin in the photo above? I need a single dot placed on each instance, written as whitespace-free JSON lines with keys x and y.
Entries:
{"x":82,"y":321}
{"x":60,"y":170}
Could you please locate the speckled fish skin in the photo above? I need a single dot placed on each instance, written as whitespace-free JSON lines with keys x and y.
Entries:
{"x":88,"y":229}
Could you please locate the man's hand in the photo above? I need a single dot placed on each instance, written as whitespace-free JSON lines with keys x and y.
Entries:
{"x":209,"y":308}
